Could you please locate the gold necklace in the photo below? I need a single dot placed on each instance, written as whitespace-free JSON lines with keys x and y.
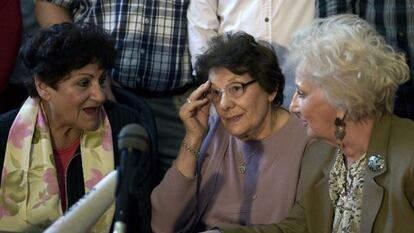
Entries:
{"x":242,"y":167}
{"x":243,"y":163}
{"x":258,"y":146}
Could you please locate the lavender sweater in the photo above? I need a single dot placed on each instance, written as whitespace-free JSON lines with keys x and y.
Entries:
{"x":264,"y":194}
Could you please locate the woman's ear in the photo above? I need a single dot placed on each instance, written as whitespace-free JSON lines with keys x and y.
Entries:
{"x":42,"y":89}
{"x":272,"y":96}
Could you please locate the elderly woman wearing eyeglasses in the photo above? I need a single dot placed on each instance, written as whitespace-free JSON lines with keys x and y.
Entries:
{"x":242,"y":166}
{"x":359,"y":175}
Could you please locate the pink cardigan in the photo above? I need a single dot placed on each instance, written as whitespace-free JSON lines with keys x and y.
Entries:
{"x":264,"y":194}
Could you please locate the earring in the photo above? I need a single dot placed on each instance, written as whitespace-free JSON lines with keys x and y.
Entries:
{"x":340,"y":128}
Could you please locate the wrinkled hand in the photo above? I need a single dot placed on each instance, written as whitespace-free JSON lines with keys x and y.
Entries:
{"x":195,"y":112}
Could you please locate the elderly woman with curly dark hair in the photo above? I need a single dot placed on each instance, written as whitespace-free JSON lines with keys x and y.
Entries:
{"x":359,"y":175}
{"x":249,"y":173}
{"x":60,"y":143}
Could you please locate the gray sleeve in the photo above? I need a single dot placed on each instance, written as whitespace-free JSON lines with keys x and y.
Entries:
{"x":173,"y":202}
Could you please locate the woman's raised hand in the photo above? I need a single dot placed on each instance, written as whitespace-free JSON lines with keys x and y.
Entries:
{"x":195,"y":112}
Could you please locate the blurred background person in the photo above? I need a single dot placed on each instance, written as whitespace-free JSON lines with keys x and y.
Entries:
{"x":60,"y":143}
{"x":11,"y":30}
{"x":359,"y":175}
{"x":249,"y":174}
{"x":394,"y":20}
{"x":152,"y":62}
{"x":271,"y":21}
{"x":16,"y":92}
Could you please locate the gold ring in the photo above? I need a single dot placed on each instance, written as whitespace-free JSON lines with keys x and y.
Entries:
{"x":188,"y":101}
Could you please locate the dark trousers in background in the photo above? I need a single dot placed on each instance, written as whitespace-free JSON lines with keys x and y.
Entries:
{"x":170,"y":129}
{"x":404,"y":103}
{"x":160,"y":113}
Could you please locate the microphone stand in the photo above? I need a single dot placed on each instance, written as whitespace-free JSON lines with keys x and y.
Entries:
{"x":122,"y":195}
{"x":132,"y":145}
{"x":119,"y":227}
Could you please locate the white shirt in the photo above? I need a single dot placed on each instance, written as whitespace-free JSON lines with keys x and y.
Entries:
{"x":271,"y":20}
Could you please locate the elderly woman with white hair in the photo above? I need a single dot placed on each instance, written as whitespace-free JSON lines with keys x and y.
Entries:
{"x":358,"y":175}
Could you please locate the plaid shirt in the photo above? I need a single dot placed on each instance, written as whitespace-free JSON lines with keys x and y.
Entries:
{"x":394,"y":19}
{"x":151,"y":39}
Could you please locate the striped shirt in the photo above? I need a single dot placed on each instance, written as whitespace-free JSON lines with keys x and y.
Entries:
{"x":151,"y":39}
{"x":394,"y":19}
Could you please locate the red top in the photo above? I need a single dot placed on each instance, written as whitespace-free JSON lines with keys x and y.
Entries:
{"x":62,"y":159}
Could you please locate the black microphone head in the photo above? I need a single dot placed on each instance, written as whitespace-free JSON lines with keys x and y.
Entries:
{"x":133,"y":136}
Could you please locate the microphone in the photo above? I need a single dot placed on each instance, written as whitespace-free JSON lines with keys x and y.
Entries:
{"x":87,"y":211}
{"x":132,"y":143}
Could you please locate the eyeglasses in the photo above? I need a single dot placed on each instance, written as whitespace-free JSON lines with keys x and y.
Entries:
{"x":234,"y":90}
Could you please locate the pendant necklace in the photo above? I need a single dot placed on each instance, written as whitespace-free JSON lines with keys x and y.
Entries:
{"x":242,"y":167}
{"x":243,"y":163}
{"x":249,"y":149}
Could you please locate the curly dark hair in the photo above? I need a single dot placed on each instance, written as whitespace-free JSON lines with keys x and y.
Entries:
{"x":240,"y":53}
{"x":52,"y":53}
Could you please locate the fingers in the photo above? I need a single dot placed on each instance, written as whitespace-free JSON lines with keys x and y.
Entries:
{"x":198,"y":93}
{"x":197,"y":98}
{"x":195,"y":106}
{"x":197,"y":103}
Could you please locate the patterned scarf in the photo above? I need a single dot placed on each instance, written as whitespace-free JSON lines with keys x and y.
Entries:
{"x":345,"y":191}
{"x":29,"y":192}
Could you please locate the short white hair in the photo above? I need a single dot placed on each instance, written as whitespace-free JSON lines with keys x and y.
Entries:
{"x":356,"y":69}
